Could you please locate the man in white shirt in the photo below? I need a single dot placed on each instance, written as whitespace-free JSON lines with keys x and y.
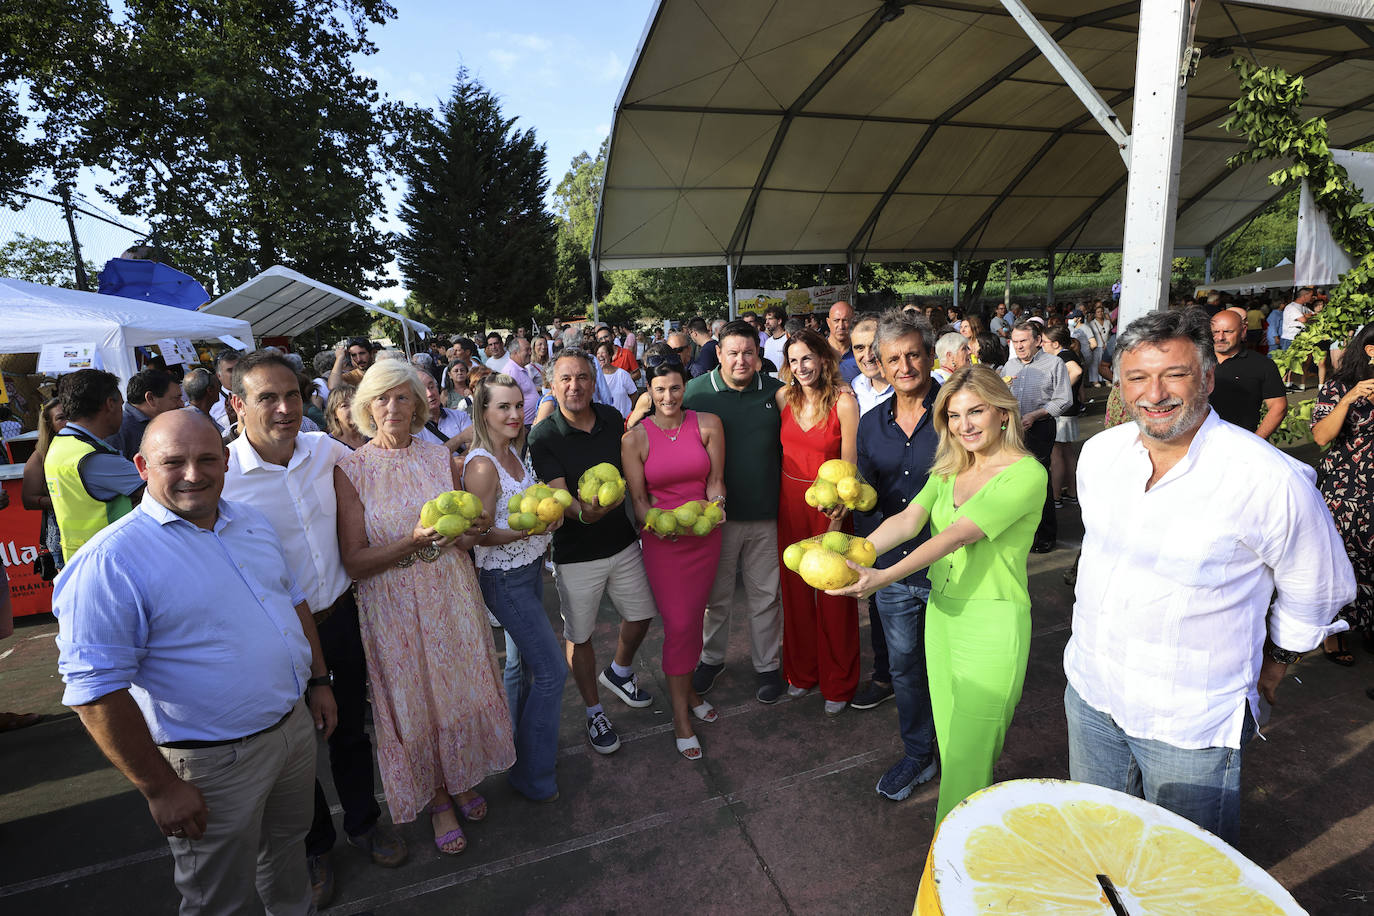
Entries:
{"x":774,"y":337}
{"x":1295,"y":315}
{"x":445,"y":426}
{"x":288,"y":476}
{"x":225,"y":360}
{"x":1192,"y":525}
{"x":870,"y":387}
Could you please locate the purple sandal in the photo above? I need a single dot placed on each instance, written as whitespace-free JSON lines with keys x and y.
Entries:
{"x":452,"y":836}
{"x":466,"y":809}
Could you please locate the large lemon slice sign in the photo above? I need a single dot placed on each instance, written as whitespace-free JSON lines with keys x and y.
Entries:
{"x":1048,"y":846}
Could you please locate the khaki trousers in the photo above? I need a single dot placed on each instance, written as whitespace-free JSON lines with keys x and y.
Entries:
{"x":261,"y":796}
{"x":751,"y":548}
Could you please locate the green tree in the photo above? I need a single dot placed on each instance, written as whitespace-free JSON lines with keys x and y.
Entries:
{"x":575,"y":201}
{"x":25,"y":257}
{"x":478,"y":239}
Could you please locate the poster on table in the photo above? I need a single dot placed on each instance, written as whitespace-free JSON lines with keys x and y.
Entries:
{"x":19,"y":534}
{"x":178,"y":350}
{"x":61,"y":358}
{"x":797,"y":301}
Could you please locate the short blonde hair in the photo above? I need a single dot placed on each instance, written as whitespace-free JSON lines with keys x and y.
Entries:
{"x":380,"y":378}
{"x":950,"y":456}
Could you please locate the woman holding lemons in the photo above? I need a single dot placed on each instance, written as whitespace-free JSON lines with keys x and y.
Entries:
{"x":983,"y":500}
{"x":674,"y":459}
{"x":820,"y":422}
{"x":510,"y":571}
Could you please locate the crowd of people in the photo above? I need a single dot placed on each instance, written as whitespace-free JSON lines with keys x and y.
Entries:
{"x":1210,"y":561}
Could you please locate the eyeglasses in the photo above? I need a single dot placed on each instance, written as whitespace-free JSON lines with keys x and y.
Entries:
{"x":665,"y":359}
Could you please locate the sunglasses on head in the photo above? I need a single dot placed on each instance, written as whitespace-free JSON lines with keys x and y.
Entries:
{"x":666,"y":359}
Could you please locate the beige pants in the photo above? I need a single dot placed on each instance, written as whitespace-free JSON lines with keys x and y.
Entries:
{"x":752,"y":549}
{"x":261,"y":795}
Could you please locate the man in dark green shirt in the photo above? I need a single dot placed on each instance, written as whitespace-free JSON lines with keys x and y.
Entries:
{"x":596,"y":551}
{"x":742,"y":396}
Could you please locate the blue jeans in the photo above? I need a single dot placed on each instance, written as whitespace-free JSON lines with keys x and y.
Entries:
{"x":1202,"y":785}
{"x":534,"y":683}
{"x":902,"y":610}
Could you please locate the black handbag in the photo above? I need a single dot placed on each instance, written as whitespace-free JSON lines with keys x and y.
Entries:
{"x":45,"y":565}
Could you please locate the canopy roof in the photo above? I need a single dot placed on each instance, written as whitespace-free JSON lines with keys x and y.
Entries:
{"x":35,"y":315}
{"x":1280,"y":277}
{"x":279,"y":302}
{"x":829,"y":131}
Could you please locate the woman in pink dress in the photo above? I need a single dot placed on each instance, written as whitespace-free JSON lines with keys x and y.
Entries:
{"x":440,"y":715}
{"x":673,"y":457}
{"x":820,"y":421}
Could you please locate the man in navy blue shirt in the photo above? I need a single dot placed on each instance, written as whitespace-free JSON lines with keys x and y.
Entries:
{"x":896,"y":445}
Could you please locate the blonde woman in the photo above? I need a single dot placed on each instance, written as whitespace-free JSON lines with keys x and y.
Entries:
{"x":338,"y":417}
{"x":983,"y":501}
{"x":441,"y":719}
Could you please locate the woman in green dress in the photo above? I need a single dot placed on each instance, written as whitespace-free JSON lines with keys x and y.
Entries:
{"x":983,"y":500}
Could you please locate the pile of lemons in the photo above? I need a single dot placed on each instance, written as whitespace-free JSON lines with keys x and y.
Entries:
{"x":838,"y":483}
{"x":820,"y":561}
{"x":537,"y":508}
{"x":698,"y":518}
{"x":451,"y":513}
{"x":601,"y":485}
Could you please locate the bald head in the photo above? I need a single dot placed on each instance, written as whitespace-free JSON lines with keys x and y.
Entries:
{"x":1228,"y":332}
{"x":183,"y":459}
{"x":841,"y":321}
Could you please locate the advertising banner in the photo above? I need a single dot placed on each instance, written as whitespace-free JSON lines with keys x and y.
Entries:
{"x":29,"y":594}
{"x":796,"y":301}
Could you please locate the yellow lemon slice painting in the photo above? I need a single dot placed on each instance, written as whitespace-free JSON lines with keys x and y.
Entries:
{"x":1048,"y":846}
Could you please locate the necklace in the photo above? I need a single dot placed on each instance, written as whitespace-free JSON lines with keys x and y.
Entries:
{"x":677,"y":431}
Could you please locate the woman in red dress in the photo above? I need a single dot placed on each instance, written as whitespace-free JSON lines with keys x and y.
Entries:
{"x":820,"y":641}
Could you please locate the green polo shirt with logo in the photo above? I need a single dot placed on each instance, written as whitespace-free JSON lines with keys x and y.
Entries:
{"x":753,"y":441}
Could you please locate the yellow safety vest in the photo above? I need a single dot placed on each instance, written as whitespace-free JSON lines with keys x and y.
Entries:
{"x":80,"y":516}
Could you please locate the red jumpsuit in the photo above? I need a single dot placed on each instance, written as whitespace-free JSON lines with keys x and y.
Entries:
{"x":820,"y":634}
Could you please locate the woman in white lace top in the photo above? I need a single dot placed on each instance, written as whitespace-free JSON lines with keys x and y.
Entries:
{"x":510,"y":569}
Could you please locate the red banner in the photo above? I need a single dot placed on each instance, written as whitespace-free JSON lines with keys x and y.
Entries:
{"x":19,"y":534}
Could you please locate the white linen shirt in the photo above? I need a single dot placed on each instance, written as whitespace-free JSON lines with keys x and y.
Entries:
{"x":1173,"y":598}
{"x":299,"y":502}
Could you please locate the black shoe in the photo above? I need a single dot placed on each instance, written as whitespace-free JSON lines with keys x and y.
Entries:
{"x":1042,"y":546}
{"x":321,"y":880}
{"x":602,"y":735}
{"x":771,"y":687}
{"x":872,"y":694}
{"x":626,"y":689}
{"x":704,"y":678}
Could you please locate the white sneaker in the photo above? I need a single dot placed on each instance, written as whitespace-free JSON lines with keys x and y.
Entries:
{"x":797,"y":693}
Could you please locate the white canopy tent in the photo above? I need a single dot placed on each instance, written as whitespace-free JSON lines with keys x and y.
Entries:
{"x":35,"y":315}
{"x":280,"y":302}
{"x":838,"y":131}
{"x":1280,"y":277}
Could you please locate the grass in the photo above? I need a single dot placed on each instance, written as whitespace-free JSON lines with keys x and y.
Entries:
{"x":1064,"y":285}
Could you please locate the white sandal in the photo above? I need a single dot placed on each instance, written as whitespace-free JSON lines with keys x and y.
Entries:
{"x":705,"y":712}
{"x":689,"y":747}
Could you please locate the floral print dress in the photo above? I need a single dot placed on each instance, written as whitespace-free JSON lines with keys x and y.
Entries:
{"x":1346,"y":478}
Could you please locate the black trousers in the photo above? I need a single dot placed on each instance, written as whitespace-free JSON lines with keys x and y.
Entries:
{"x":1040,"y":443}
{"x":350,"y":748}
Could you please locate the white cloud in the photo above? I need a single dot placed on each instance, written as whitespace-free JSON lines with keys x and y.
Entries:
{"x":503,"y":58}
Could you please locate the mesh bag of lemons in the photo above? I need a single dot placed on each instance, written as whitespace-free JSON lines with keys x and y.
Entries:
{"x":820,"y":561}
{"x":1050,"y":846}
{"x":696,"y":517}
{"x":838,"y":483}
{"x":537,"y":508}
{"x":601,"y":485}
{"x":451,"y":513}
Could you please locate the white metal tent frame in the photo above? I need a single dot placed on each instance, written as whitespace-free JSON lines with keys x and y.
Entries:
{"x":1036,"y":82}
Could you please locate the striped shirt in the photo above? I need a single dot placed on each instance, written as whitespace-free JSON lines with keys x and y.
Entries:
{"x":1041,"y":384}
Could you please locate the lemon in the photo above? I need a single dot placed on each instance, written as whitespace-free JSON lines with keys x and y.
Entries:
{"x":837,"y":541}
{"x":610,"y":492}
{"x":563,"y":496}
{"x":848,"y":489}
{"x":686,"y":514}
{"x":792,"y":556}
{"x":862,"y":552}
{"x":868,"y":498}
{"x":548,"y":510}
{"x":714,"y":512}
{"x":447,"y":502}
{"x":539,"y":528}
{"x":469,"y":506}
{"x":835,"y":470}
{"x":429,"y":514}
{"x":1038,"y":845}
{"x":605,"y":471}
{"x":450,"y":526}
{"x":666,"y":523}
{"x":826,"y":497}
{"x":824,"y":569}
{"x":586,"y":490}
{"x":651,"y":516}
{"x":539,"y":492}
{"x":513,"y":507}
{"x":811,"y":498}
{"x":702,"y":526}
{"x":522,"y":521}
{"x":529,"y":504}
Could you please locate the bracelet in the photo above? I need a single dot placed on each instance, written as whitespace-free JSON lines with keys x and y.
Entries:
{"x":1279,"y":654}
{"x":580,"y":518}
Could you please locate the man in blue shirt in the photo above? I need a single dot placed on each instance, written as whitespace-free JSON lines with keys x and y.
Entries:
{"x":896,"y":445}
{"x":186,"y":647}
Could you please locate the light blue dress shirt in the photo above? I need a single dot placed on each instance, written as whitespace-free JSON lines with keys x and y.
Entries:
{"x":199,"y":625}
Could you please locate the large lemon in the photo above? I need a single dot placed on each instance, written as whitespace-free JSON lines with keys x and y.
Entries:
{"x":826,"y":497}
{"x":429,"y":514}
{"x":792,"y":556}
{"x":835,"y":470}
{"x":605,"y":471}
{"x":848,"y":488}
{"x":666,"y":523}
{"x":868,"y":498}
{"x":548,"y":510}
{"x":651,"y":516}
{"x":450,"y":526}
{"x":610,"y":492}
{"x":824,"y":569}
{"x":586,"y":490}
{"x":469,"y":506}
{"x":539,"y":492}
{"x":448,"y":503}
{"x":702,"y":526}
{"x":563,"y":496}
{"x":686,"y":514}
{"x":529,"y":504}
{"x":862,"y":551}
{"x":714,"y":512}
{"x":513,"y":507}
{"x":837,"y":541}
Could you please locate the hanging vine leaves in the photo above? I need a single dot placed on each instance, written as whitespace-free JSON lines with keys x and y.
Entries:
{"x":1268,"y":115}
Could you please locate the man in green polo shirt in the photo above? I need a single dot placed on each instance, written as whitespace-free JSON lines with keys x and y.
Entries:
{"x":741,"y":394}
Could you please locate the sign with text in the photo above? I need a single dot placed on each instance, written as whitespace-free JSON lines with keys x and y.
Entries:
{"x":797,"y":301}
{"x":29,"y":594}
{"x":178,"y":350}
{"x":61,"y":358}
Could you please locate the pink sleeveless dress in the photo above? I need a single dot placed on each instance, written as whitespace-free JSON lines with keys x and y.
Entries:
{"x":440,"y":714}
{"x":680,"y":572}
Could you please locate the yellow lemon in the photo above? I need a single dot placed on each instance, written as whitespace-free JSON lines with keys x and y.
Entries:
{"x":539,"y":528}
{"x":714,"y":512}
{"x":835,"y":470}
{"x":651,"y":516}
{"x":447,"y":502}
{"x":686,"y":514}
{"x":837,"y":541}
{"x":469,"y":506}
{"x":792,"y":556}
{"x":665,"y":523}
{"x":548,"y":510}
{"x":848,"y":488}
{"x":702,"y":526}
{"x":529,"y":504}
{"x":450,"y":526}
{"x":605,"y":471}
{"x":610,"y":492}
{"x":563,"y":496}
{"x":826,"y":497}
{"x":868,"y":498}
{"x":824,"y":569}
{"x":429,"y":514}
{"x":586,"y":490}
{"x":862,"y":551}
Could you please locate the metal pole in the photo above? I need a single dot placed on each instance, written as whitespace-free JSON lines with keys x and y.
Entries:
{"x":1207,"y":267}
{"x":730,"y":286}
{"x":1049,"y":285}
{"x":596,"y":302}
{"x":65,"y":192}
{"x":1164,"y":30}
{"x":956,"y":283}
{"x":1006,"y":293}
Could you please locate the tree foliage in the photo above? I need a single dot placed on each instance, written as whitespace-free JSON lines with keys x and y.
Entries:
{"x":26,"y":257}
{"x":240,"y":132}
{"x":479,"y":242}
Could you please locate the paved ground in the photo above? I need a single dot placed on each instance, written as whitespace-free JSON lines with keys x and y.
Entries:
{"x":780,"y":817}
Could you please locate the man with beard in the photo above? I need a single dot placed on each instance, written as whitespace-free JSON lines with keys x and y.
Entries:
{"x":1209,"y":565}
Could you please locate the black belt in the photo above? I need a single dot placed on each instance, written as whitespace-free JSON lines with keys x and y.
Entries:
{"x":322,"y":616}
{"x":196,"y":745}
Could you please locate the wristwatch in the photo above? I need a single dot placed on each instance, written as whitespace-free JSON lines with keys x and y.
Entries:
{"x":1281,"y":655}
{"x":324,"y":680}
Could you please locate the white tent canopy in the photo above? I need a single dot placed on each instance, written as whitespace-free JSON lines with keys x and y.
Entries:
{"x":35,"y":315}
{"x":280,"y":302}
{"x":836,"y":131}
{"x":1280,"y":277}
